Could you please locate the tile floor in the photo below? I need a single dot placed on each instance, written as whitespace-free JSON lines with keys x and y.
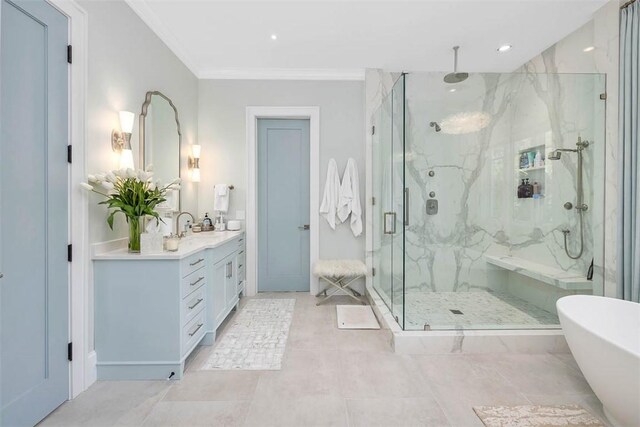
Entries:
{"x":479,"y":310}
{"x":334,"y":377}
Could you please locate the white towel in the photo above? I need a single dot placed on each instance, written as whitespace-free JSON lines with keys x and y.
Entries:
{"x":329,"y":206}
{"x":221,"y":197}
{"x":349,"y":203}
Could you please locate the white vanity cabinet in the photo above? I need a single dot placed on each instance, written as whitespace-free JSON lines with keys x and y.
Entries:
{"x":151,"y":311}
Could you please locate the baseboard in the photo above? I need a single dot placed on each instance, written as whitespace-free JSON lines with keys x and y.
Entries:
{"x":91,"y":374}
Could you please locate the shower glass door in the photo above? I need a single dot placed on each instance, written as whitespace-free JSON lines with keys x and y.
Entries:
{"x":388,"y":190}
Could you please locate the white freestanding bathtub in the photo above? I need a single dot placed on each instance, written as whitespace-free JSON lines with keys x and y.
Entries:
{"x":604,"y":337}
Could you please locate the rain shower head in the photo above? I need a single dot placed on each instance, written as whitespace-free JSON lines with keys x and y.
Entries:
{"x":436,"y":126}
{"x":455,"y":77}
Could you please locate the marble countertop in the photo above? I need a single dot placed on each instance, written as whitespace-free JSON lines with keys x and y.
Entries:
{"x":550,"y":275}
{"x":117,"y":250}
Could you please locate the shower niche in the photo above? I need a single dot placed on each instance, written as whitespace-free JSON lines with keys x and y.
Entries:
{"x":530,"y":166}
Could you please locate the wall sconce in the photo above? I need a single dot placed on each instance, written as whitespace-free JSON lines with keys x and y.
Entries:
{"x":121,"y":140}
{"x":194,"y":162}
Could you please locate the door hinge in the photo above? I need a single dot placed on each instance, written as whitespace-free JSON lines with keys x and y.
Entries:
{"x":373,"y":130}
{"x":373,"y":271}
{"x":69,"y":154}
{"x":69,"y":253}
{"x":373,"y":201}
{"x":603,"y":96}
{"x":69,"y":54}
{"x":70,"y":351}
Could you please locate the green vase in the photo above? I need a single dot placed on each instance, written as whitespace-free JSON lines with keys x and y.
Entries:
{"x":136,"y":226}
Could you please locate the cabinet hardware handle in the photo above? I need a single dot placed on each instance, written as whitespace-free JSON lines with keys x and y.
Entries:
{"x":240,"y":266}
{"x":197,"y":262}
{"x":191,"y":307}
{"x":196,"y":330}
{"x":240,"y":240}
{"x":200,"y":279}
{"x":240,"y":253}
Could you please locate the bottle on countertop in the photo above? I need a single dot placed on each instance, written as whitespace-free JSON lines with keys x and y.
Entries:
{"x":206,"y":222}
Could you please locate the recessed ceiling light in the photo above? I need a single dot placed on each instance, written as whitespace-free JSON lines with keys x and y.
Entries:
{"x":274,"y":36}
{"x":504,"y":48}
{"x":588,"y":49}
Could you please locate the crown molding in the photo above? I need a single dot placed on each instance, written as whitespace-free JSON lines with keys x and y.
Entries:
{"x":282,"y":74}
{"x":148,"y":16}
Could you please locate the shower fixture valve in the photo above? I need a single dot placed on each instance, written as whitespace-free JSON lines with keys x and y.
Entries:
{"x":583,"y":207}
{"x":568,"y":206}
{"x":566,"y":231}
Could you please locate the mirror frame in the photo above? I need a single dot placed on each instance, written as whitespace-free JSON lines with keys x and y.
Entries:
{"x":142,"y":120}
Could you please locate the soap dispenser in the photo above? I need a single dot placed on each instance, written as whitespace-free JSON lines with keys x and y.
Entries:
{"x":521,"y":190}
{"x":207,"y":224}
{"x":527,"y":189}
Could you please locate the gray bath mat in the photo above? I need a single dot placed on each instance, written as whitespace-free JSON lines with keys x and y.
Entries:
{"x":256,"y":339}
{"x":536,"y":416}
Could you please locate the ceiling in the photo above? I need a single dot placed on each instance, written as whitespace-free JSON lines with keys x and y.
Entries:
{"x":325,"y":39}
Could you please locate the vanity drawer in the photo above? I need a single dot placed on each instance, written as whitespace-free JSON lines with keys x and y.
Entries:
{"x":193,"y":331}
{"x":193,"y":304}
{"x":192,"y":263}
{"x":193,"y":281}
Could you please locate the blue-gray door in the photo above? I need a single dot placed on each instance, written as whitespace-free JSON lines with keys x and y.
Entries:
{"x":283,"y":205}
{"x":34,"y":369}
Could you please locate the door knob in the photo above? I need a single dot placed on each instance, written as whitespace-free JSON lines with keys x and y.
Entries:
{"x":304,"y":227}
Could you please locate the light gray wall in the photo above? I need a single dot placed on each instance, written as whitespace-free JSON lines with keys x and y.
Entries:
{"x":125,"y":60}
{"x":222,"y":134}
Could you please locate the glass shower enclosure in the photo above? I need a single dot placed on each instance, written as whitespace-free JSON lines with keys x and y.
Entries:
{"x":478,"y":222}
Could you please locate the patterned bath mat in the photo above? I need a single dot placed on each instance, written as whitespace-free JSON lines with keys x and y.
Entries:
{"x":256,"y":339}
{"x":536,"y":416}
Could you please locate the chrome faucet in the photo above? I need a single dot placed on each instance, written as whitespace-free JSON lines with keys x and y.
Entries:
{"x":193,"y":220}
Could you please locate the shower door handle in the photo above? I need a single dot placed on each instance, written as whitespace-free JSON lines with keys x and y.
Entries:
{"x":386,"y":228}
{"x":406,"y":207}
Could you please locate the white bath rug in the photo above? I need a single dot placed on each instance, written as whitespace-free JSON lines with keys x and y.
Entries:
{"x":356,"y":317}
{"x":536,"y":416}
{"x":256,"y":339}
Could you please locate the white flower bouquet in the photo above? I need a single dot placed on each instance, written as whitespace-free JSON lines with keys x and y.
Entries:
{"x":133,"y":193}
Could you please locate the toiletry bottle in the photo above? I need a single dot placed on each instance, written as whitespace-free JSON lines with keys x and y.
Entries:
{"x":536,"y":190}
{"x":537,"y":162}
{"x":531,"y":158}
{"x":206,"y":222}
{"x":521,"y":190}
{"x":528,"y":189}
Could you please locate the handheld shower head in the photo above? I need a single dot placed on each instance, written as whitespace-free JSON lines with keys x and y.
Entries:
{"x":554,"y":155}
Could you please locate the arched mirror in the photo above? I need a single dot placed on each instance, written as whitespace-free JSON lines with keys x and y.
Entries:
{"x":160,"y":140}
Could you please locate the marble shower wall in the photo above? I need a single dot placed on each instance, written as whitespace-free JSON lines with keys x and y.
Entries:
{"x":477,"y":174}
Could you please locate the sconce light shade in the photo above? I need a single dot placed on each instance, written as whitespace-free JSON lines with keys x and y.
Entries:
{"x":195,"y":151}
{"x":126,"y":159}
{"x":195,"y":175}
{"x":194,"y":162}
{"x":126,"y":121}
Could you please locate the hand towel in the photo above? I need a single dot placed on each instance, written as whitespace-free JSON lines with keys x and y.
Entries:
{"x":329,"y":206}
{"x":221,"y":198}
{"x":349,"y":201}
